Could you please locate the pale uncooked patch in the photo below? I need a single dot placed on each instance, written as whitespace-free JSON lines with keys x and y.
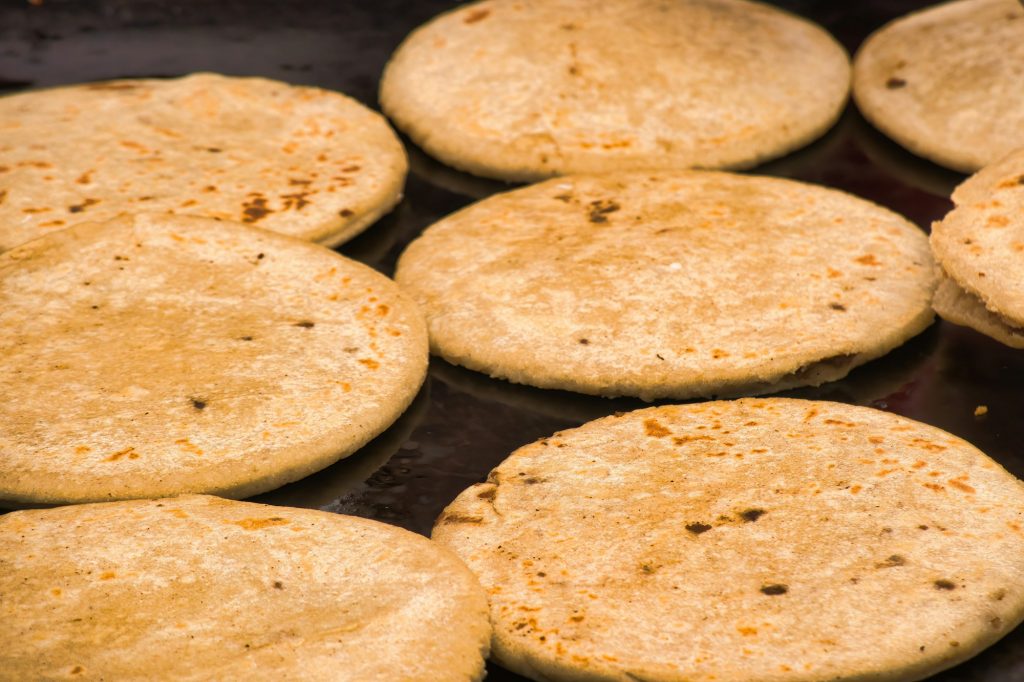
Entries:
{"x":197,"y":587}
{"x":947,"y":82}
{"x":527,"y":89}
{"x":164,"y":354}
{"x":980,"y":246}
{"x":670,"y":285}
{"x":302,"y":161}
{"x":771,"y":540}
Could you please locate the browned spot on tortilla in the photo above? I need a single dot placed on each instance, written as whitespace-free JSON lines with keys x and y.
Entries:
{"x":895,"y":83}
{"x":960,"y":485}
{"x":697,"y":527}
{"x":892,"y":562}
{"x":747,"y":631}
{"x":478,"y":15}
{"x":255,"y":209}
{"x":259,"y":524}
{"x":944,"y":584}
{"x":811,"y":413}
{"x":370,"y":362}
{"x":86,"y":177}
{"x":933,"y":486}
{"x":868,"y":259}
{"x":655,"y":429}
{"x":453,"y":517}
{"x":488,"y":494}
{"x":350,"y":169}
{"x":927,"y":445}
{"x":997,"y":221}
{"x":600,"y":208}
{"x":346,"y":213}
{"x":78,"y":208}
{"x":127,"y":452}
{"x":837,"y":306}
{"x":305,"y":324}
{"x":752,"y":515}
{"x":682,"y":440}
{"x":774,"y":589}
{"x":854,"y":489}
{"x":177,"y":513}
{"x":296,"y":201}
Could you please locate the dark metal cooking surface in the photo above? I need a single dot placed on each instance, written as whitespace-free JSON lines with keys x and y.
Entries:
{"x":463,"y":423}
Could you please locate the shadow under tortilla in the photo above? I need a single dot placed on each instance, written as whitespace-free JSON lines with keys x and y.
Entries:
{"x":426,"y":167}
{"x":325,"y":486}
{"x":896,"y":161}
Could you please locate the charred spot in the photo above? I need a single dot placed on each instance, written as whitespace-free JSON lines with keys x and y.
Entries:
{"x":297,"y":200}
{"x":305,"y":324}
{"x":1020,"y":180}
{"x":255,"y":209}
{"x":346,"y":213}
{"x":278,"y":585}
{"x":584,"y":342}
{"x":752,"y":515}
{"x":533,"y":480}
{"x":460,"y":518}
{"x":214,"y":150}
{"x":892,"y":562}
{"x":121,"y":258}
{"x":944,"y":584}
{"x":922,"y":527}
{"x":600,"y":209}
{"x":198,"y":404}
{"x":698,"y":528}
{"x":895,"y":83}
{"x":245,"y":338}
{"x":488,"y":494}
{"x":478,"y":15}
{"x":837,"y":306}
{"x":774,"y":589}
{"x":78,"y":208}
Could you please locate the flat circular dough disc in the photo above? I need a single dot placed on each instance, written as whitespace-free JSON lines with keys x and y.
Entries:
{"x":677,"y":285}
{"x":302,"y":161}
{"x":162,"y":354}
{"x":527,"y":89}
{"x":771,"y":540}
{"x":198,"y":587}
{"x":947,"y":82}
{"x":980,"y":246}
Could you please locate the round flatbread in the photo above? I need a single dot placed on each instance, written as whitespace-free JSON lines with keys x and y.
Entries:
{"x":302,"y":161}
{"x":527,"y":89}
{"x":676,"y":285}
{"x":947,"y":82}
{"x":162,"y":354}
{"x":198,"y":587}
{"x":772,"y":540}
{"x":980,"y":246}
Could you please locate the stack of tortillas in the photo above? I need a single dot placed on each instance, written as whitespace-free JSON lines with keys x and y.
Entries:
{"x":303,"y":161}
{"x":980,"y":246}
{"x":679,"y":285}
{"x":527,"y":89}
{"x":759,"y":540}
{"x":947,"y":82}
{"x":202,"y":588}
{"x":164,"y":354}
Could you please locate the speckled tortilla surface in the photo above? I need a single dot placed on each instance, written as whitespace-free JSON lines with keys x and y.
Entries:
{"x":947,"y":82}
{"x":200,"y":588}
{"x":527,"y":89}
{"x":684,"y":284}
{"x":761,"y":539}
{"x":162,"y":354}
{"x":302,"y":161}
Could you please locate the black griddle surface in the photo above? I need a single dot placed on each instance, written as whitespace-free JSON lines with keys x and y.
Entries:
{"x":463,"y":424}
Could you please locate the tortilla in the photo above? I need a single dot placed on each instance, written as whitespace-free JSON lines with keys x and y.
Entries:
{"x":980,"y":246}
{"x":771,"y":540}
{"x":298,"y":160}
{"x":682,"y":285}
{"x":198,"y":587}
{"x":946,"y":82}
{"x":527,"y":89}
{"x":161,"y":354}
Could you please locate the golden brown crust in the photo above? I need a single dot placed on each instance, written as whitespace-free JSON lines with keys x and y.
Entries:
{"x":771,"y":540}
{"x":526,"y":90}
{"x":677,"y":285}
{"x":200,"y":588}
{"x":164,"y":354}
{"x":302,"y":161}
{"x":945,"y":82}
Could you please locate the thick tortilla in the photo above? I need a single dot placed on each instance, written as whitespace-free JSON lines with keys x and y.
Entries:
{"x":771,"y":540}
{"x":947,"y":82}
{"x":527,"y":89}
{"x":163,"y":354}
{"x":980,"y":246}
{"x":680,"y":285}
{"x":302,"y":161}
{"x":200,"y":588}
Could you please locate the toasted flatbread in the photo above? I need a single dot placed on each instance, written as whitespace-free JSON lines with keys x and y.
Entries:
{"x":528,"y":89}
{"x":302,"y":161}
{"x":980,"y":247}
{"x":161,"y":354}
{"x":686,"y":284}
{"x":772,"y":540}
{"x":197,"y":587}
{"x":946,"y":82}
